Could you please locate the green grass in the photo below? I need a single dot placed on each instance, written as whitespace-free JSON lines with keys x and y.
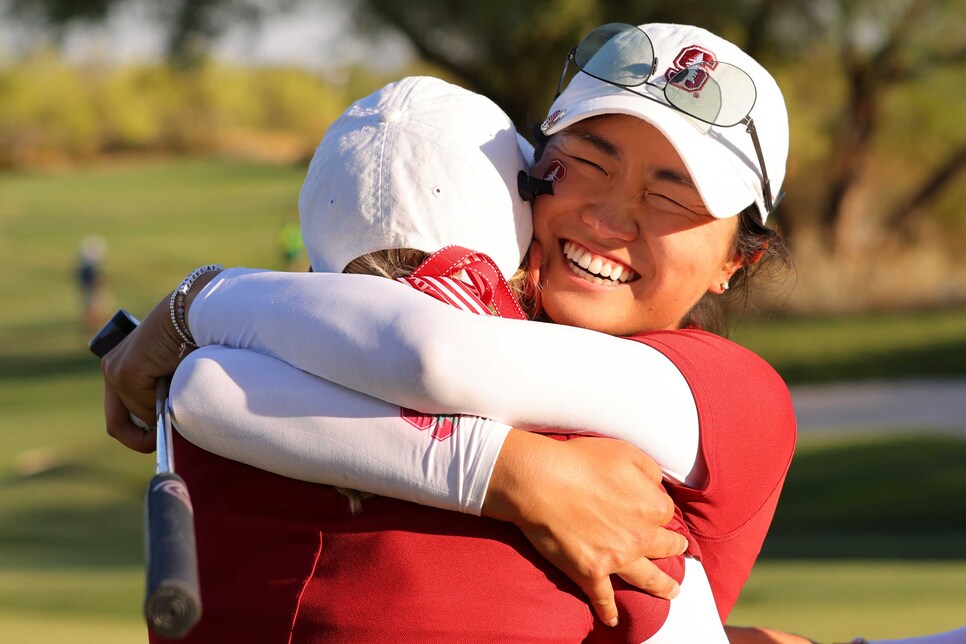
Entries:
{"x":835,"y":601}
{"x":856,"y":347}
{"x":895,"y":497}
{"x":836,"y":564}
{"x":70,"y":498}
{"x":868,"y":539}
{"x":160,"y":219}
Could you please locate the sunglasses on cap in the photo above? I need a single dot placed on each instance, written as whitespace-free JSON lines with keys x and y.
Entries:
{"x":623,"y":55}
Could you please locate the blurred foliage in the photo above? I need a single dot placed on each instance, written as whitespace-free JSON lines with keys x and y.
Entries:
{"x":849,"y":68}
{"x":875,"y":90}
{"x":189,"y":24}
{"x":51,"y":112}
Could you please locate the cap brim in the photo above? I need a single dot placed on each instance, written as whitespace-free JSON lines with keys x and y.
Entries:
{"x":725,"y":184}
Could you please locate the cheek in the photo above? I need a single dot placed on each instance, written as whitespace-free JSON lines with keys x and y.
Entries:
{"x":535,"y":256}
{"x":542,"y":214}
{"x":697,"y":258}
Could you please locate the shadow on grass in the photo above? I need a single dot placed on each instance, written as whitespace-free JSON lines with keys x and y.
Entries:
{"x":74,"y":515}
{"x":19,"y":367}
{"x":894,"y":498}
{"x":40,"y":348}
{"x":937,"y":359}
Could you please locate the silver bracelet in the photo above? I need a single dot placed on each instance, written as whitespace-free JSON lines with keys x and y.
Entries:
{"x":176,"y":303}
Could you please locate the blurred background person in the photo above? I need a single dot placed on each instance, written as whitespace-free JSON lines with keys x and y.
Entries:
{"x":95,"y":296}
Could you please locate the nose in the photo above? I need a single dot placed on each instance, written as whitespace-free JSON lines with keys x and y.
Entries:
{"x":610,"y":221}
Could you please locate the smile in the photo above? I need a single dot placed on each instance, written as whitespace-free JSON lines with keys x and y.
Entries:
{"x":596,"y":269}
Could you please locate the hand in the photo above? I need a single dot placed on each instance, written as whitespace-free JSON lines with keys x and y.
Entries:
{"x":120,"y":425}
{"x":151,"y":351}
{"x":592,"y":507}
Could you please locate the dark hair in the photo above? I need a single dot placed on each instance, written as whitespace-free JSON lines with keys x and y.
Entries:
{"x":764,"y":256}
{"x":540,"y":141}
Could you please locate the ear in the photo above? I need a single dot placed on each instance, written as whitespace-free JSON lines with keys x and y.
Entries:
{"x":757,"y":256}
{"x":720,"y":283}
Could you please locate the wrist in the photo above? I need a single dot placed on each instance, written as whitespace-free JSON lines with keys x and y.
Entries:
{"x":510,"y":495}
{"x":198,"y":286}
{"x":181,"y":298}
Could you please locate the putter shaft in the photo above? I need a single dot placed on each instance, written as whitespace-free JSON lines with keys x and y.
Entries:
{"x":165,"y":453}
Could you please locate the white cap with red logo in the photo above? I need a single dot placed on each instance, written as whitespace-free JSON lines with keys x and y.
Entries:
{"x":721,"y":160}
{"x":418,"y":164}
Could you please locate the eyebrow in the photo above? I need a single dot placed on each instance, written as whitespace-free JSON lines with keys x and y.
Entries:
{"x":606,"y":147}
{"x":601,"y":144}
{"x":669,"y":174}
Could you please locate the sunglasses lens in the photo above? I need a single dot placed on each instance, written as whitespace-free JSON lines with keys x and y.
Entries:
{"x":616,"y":53}
{"x":721,"y":96}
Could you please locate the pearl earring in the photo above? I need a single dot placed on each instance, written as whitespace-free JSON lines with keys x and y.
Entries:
{"x":724,"y":285}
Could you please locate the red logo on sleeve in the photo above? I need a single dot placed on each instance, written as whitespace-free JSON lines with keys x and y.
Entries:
{"x":442,"y":426}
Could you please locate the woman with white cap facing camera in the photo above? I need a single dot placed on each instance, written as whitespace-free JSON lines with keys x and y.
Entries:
{"x":662,"y":155}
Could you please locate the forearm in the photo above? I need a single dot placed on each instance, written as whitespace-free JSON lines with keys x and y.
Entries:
{"x":258,"y":410}
{"x":757,"y":635}
{"x":391,"y":342}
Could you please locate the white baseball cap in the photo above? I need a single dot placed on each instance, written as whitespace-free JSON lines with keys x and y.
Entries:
{"x":418,"y":164}
{"x":722,"y":161}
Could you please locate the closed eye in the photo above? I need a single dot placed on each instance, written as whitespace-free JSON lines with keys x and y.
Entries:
{"x":667,"y":203}
{"x":590,"y":164}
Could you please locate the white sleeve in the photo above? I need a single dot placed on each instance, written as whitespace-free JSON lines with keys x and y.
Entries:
{"x":693,"y":616}
{"x":258,"y":410}
{"x":389,"y":341}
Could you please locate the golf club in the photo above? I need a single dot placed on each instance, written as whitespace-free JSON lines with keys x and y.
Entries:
{"x":172,"y":604}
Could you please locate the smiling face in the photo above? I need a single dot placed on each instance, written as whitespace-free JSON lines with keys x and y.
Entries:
{"x":625,"y":243}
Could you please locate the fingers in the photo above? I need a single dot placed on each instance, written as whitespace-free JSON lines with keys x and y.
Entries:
{"x":120,"y":427}
{"x":649,"y":466}
{"x":666,"y":543}
{"x":645,"y":574}
{"x":134,"y":390}
{"x":601,"y":595}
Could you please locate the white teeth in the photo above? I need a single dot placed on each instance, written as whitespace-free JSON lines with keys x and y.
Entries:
{"x":595,"y":269}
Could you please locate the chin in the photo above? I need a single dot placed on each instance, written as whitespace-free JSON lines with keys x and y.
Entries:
{"x":583,"y":315}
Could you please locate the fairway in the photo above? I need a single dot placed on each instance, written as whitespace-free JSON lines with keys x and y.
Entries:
{"x":834,"y":601}
{"x":869,"y":535}
{"x":829,"y":601}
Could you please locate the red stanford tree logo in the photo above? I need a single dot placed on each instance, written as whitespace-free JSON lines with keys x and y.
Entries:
{"x":695,"y":61}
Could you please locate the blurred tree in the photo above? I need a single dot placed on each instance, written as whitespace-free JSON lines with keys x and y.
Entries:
{"x":190,"y":24}
{"x":841,"y":62}
{"x":511,"y":52}
{"x":881,"y":46}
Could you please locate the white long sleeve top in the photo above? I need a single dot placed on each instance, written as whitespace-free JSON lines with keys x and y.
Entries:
{"x":384,"y":339}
